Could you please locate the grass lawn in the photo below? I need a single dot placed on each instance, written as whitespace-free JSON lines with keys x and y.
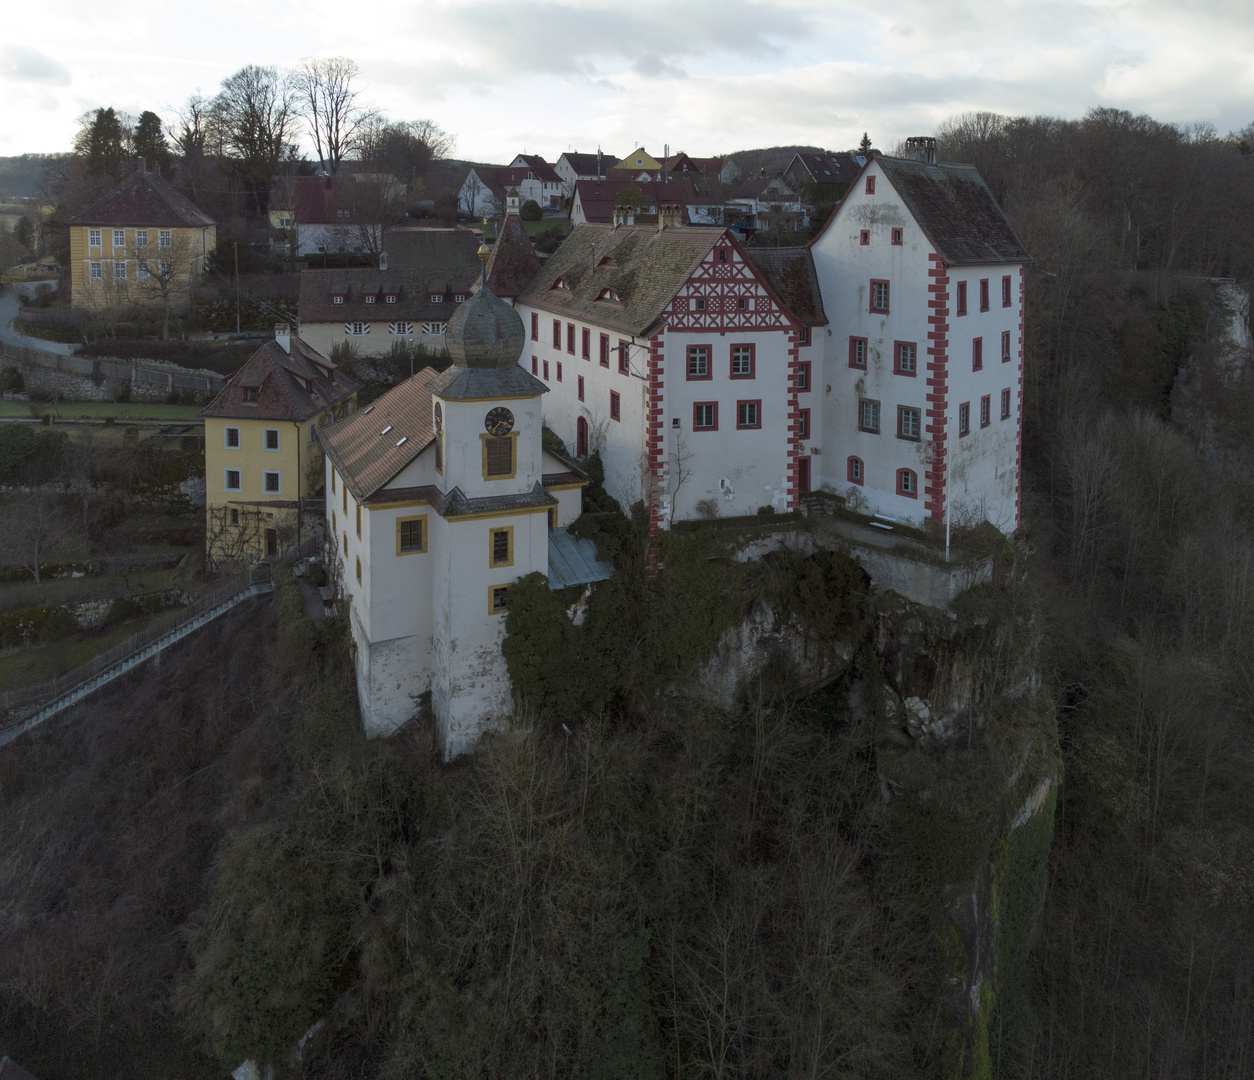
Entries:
{"x":25,"y":667}
{"x":98,"y":410}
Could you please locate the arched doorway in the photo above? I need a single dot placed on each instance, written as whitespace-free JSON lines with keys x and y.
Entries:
{"x":581,"y":438}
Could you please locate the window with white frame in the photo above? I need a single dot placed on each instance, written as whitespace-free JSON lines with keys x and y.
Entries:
{"x":230,"y":438}
{"x":93,"y":238}
{"x":369,"y":299}
{"x":908,"y":422}
{"x":434,"y":327}
{"x":96,"y":271}
{"x":458,"y":298}
{"x":141,"y":238}
{"x":748,"y":414}
{"x":165,"y":269}
{"x":141,"y":270}
{"x":698,"y":361}
{"x":869,"y":416}
{"x":270,"y":482}
{"x":742,"y":361}
{"x":356,"y":329}
{"x":270,"y":438}
{"x":338,"y":298}
{"x":985,"y":411}
{"x":165,"y":238}
{"x":400,"y":328}
{"x":906,"y":353}
{"x":231,"y":479}
{"x":1005,"y":404}
{"x":119,"y":238}
{"x":119,"y":270}
{"x":964,"y":419}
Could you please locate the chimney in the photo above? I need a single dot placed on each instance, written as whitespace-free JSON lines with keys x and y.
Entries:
{"x":283,"y":335}
{"x":922,"y":148}
{"x":383,"y":260}
{"x":141,"y":165}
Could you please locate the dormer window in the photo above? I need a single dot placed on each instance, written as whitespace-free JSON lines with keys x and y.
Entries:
{"x":337,"y":298}
{"x":437,"y":298}
{"x":250,"y":393}
{"x":607,"y":262}
{"x":369,"y":299}
{"x":608,"y":294}
{"x":459,"y":298}
{"x":560,"y":283}
{"x":389,"y":298}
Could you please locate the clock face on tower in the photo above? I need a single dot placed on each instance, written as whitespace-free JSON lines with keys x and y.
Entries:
{"x":499,"y":421}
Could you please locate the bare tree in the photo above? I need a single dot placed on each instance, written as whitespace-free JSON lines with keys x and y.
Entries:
{"x":681,"y":470}
{"x":36,"y":528}
{"x":253,"y":119}
{"x":191,"y":139}
{"x":232,"y":534}
{"x":329,"y":103}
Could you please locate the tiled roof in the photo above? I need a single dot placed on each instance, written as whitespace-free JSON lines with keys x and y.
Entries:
{"x":289,"y":386}
{"x":315,"y":200}
{"x":423,"y":249}
{"x":513,"y":260}
{"x":586,"y":164}
{"x":643,"y":266}
{"x":597,"y":200}
{"x":790,"y":272}
{"x":457,"y":505}
{"x":413,"y":290}
{"x":542,"y":169}
{"x":831,"y":168}
{"x":363,"y":455}
{"x":754,"y":186}
{"x":956,"y":212}
{"x":484,"y":383}
{"x":145,"y":199}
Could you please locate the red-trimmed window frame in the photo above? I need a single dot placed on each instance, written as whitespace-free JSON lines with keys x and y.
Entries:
{"x":960,"y":298}
{"x":535,"y":365}
{"x":879,"y":310}
{"x":711,"y":405}
{"x":803,"y":335}
{"x":902,"y":412}
{"x":977,"y":354}
{"x":688,"y":358}
{"x":964,"y":419}
{"x":914,"y":358}
{"x":804,"y":377}
{"x":983,"y":294}
{"x":911,"y":489}
{"x":559,"y":371}
{"x":557,"y":333}
{"x":605,"y":350}
{"x":986,"y":410}
{"x":757,"y":412}
{"x":535,"y":326}
{"x":570,"y":338}
{"x":546,"y":371}
{"x":854,"y":342}
{"x":1005,"y":346}
{"x":616,"y":406}
{"x":579,"y":388}
{"x":855,"y":470}
{"x":864,"y":238}
{"x":803,"y":423}
{"x":1005,"y":290}
{"x":586,"y":343}
{"x":731,"y":360}
{"x":870,"y":185}
{"x":1005,"y":404}
{"x":624,"y":357}
{"x":898,"y":237}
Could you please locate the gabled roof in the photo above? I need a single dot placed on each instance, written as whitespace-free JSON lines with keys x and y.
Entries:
{"x":513,"y":260}
{"x":956,"y":211}
{"x":145,"y":199}
{"x":586,"y":164}
{"x":542,"y":169}
{"x":365,"y":457}
{"x":790,"y":273}
{"x":293,"y":386}
{"x":643,"y":266}
{"x":598,"y":199}
{"x":754,"y":186}
{"x":422,"y":249}
{"x":830,"y":168}
{"x":413,"y":290}
{"x":317,"y":200}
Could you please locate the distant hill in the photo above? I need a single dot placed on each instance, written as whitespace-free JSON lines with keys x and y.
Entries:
{"x":771,"y":160}
{"x":20,"y":175}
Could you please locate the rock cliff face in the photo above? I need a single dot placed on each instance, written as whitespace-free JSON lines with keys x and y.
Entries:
{"x":967,"y":752}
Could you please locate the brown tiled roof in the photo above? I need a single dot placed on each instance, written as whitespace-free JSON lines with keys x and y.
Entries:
{"x":513,"y":260}
{"x":145,"y":199}
{"x":413,"y":289}
{"x":542,"y":169}
{"x":598,"y":200}
{"x":290,"y":386}
{"x":315,"y":200}
{"x":367,"y":458}
{"x":956,"y":212}
{"x":586,"y":164}
{"x":790,"y":272}
{"x":830,"y":168}
{"x":753,"y":186}
{"x":645,"y":269}
{"x":422,"y":249}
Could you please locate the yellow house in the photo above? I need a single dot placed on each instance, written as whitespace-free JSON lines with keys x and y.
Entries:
{"x":261,"y":448}
{"x":639,"y":159}
{"x":144,"y":242}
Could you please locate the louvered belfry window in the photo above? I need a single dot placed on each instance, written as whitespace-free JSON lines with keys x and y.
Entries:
{"x":500,"y":457}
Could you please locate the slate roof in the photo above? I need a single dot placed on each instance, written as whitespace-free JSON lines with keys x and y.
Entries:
{"x":646,"y":267}
{"x":956,"y":212}
{"x":513,"y":260}
{"x":790,"y":272}
{"x":455,"y":503}
{"x":413,"y":289}
{"x":365,"y":458}
{"x":597,"y":200}
{"x":290,"y":386}
{"x":145,"y":199}
{"x":586,"y":164}
{"x":424,"y":249}
{"x":482,"y":384}
{"x":574,"y":561}
{"x":830,"y":168}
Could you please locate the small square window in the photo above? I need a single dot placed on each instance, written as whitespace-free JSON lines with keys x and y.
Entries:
{"x":409,"y":536}
{"x":1005,"y":404}
{"x":857,"y":352}
{"x":748,"y":414}
{"x":231,"y":480}
{"x":615,"y":406}
{"x":897,"y":233}
{"x":390,"y":298}
{"x":270,"y":483}
{"x":581,"y":388}
{"x":864,"y":238}
{"x":271,"y":438}
{"x":742,"y":304}
{"x":230,"y":438}
{"x":437,"y":298}
{"x":705,"y":416}
{"x":985,"y":411}
{"x":964,"y":419}
{"x":869,"y":416}
{"x":458,"y":298}
{"x":250,"y":393}
{"x":369,"y":299}
{"x":337,"y":299}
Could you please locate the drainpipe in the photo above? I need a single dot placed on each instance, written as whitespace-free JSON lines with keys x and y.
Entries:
{"x":299,"y":480}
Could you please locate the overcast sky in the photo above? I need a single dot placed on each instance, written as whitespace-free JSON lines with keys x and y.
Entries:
{"x":705,"y":76}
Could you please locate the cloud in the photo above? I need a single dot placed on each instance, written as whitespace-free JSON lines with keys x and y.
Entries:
{"x":19,"y":64}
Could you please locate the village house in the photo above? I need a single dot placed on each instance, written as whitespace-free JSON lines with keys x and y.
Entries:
{"x":144,"y":242}
{"x":261,"y":447}
{"x":440,"y":494}
{"x":572,"y":166}
{"x":823,"y":177}
{"x":370,"y":311}
{"x":325,"y":214}
{"x":482,"y":193}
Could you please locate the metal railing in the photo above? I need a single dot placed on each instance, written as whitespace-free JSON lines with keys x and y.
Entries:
{"x":169,"y":623}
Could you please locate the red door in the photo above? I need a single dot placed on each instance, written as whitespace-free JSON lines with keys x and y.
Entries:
{"x":581,"y":438}
{"x":803,"y":475}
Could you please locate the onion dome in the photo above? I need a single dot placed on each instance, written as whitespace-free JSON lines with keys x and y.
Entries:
{"x":485,"y":332}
